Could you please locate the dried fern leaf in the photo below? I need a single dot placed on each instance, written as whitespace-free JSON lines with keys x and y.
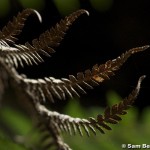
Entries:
{"x":15,"y":26}
{"x":99,"y":73}
{"x":16,"y":56}
{"x":52,"y":38}
{"x":43,"y":45}
{"x":48,"y":88}
{"x":112,"y":115}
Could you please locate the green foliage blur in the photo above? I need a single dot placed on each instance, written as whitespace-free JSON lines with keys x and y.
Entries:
{"x":129,"y":130}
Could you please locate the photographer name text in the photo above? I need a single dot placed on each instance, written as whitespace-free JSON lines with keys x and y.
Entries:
{"x":136,"y":146}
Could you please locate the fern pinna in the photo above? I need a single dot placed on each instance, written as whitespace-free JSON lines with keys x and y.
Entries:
{"x":38,"y":91}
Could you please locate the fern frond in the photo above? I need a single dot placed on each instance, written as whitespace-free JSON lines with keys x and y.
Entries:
{"x":38,"y":91}
{"x":48,"y":88}
{"x":52,"y":38}
{"x":99,"y":73}
{"x":112,"y":115}
{"x":17,"y":54}
{"x":15,"y":26}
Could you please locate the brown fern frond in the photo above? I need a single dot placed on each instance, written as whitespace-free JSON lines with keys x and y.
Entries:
{"x":15,"y":26}
{"x":43,"y":45}
{"x":52,"y":38}
{"x":99,"y":73}
{"x":48,"y":88}
{"x":112,"y":115}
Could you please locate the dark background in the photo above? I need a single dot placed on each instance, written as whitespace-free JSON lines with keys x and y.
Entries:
{"x":103,"y":35}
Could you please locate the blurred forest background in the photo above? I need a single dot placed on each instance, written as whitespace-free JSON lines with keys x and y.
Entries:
{"x":113,"y":27}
